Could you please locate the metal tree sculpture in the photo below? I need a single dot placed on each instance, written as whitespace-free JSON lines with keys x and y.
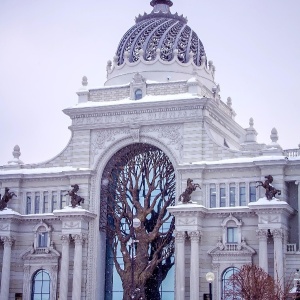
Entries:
{"x":139,"y":182}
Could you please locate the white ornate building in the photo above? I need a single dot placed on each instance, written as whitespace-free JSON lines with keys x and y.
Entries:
{"x":160,"y":90}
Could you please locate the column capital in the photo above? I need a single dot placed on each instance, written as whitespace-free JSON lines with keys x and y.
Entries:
{"x":78,"y":238}
{"x":277,"y":233}
{"x":195,"y":235}
{"x":262,"y":234}
{"x":65,"y":239}
{"x":180,"y":236}
{"x":7,"y":241}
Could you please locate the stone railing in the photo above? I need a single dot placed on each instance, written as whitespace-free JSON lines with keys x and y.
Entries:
{"x":291,"y":247}
{"x":232,"y":247}
{"x":292,"y":152}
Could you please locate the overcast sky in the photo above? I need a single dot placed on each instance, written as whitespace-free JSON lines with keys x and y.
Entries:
{"x":46,"y":46}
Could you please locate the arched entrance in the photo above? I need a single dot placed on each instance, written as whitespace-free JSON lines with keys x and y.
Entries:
{"x":138,"y":184}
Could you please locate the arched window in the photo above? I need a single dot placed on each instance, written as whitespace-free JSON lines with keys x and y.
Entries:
{"x":40,"y":286}
{"x":228,"y":288}
{"x":138,"y":94}
{"x":138,"y":177}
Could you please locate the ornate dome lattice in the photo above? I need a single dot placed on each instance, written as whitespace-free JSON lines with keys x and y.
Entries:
{"x":160,"y":33}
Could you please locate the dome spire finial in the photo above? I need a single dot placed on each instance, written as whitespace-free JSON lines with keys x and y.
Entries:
{"x":167,"y":2}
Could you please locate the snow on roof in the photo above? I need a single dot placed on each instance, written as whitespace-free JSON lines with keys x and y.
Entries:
{"x":41,"y":170}
{"x":265,"y":201}
{"x":244,"y":160}
{"x":145,"y":99}
{"x":8,"y":211}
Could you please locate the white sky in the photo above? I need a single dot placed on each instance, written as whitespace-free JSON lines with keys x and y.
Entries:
{"x":47,"y":46}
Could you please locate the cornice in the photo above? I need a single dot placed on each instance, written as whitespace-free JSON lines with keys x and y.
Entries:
{"x":111,"y":110}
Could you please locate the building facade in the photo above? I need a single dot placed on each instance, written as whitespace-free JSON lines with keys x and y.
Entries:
{"x":160,"y":91}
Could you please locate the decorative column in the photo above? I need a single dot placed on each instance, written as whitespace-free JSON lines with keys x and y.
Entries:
{"x":194,"y":265}
{"x":298,"y":183}
{"x":180,"y":265}
{"x":263,"y":249}
{"x":5,"y":278}
{"x":64,"y":267}
{"x":278,"y":255}
{"x":77,"y":274}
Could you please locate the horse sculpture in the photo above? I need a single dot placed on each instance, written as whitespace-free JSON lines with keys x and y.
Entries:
{"x":270,"y":190}
{"x":6,"y":197}
{"x":75,"y":199}
{"x":185,"y":197}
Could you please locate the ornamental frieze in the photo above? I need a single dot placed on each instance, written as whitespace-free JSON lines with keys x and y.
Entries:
{"x":138,"y":115}
{"x":102,"y":139}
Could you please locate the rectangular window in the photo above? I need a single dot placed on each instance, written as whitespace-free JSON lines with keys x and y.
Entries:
{"x":232,"y":235}
{"x":63,"y":199}
{"x":43,"y":239}
{"x":28,"y":204}
{"x":222,"y":197}
{"x":252,"y":193}
{"x":242,"y":196}
{"x":54,"y":201}
{"x":213,"y":197}
{"x":37,"y":203}
{"x":45,"y":202}
{"x":232,"y":196}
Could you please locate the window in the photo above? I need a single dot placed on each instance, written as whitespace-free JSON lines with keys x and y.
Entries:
{"x":42,"y":239}
{"x":232,"y":235}
{"x":242,"y":196}
{"x":37,"y":203}
{"x":54,"y":201}
{"x":227,"y":287}
{"x":138,"y":94}
{"x":63,"y":199}
{"x":222,"y":197}
{"x":28,"y":203}
{"x":213,"y":197}
{"x":252,"y":193}
{"x":40,"y":286}
{"x":232,"y":196}
{"x":45,"y":202}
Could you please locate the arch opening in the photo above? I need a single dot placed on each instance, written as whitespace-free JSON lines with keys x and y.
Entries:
{"x":137,"y":186}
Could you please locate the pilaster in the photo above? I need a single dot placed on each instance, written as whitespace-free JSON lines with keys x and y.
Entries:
{"x":5,"y":277}
{"x":180,"y":265}
{"x":64,"y":267}
{"x":77,"y":274}
{"x":263,"y":250}
{"x":194,"y":265}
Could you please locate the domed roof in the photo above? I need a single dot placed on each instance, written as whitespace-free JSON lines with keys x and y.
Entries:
{"x":161,"y":33}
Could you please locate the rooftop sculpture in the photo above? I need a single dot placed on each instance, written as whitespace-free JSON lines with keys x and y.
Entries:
{"x":75,"y":199}
{"x":185,"y":197}
{"x":6,"y":197}
{"x":270,"y":190}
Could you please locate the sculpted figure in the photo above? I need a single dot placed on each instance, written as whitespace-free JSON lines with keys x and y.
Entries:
{"x":75,"y":199}
{"x":6,"y":197}
{"x":270,"y":190}
{"x":185,"y":197}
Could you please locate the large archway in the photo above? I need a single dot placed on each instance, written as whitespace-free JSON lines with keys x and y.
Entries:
{"x":138,"y":184}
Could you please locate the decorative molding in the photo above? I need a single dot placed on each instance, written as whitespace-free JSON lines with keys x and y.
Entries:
{"x":71,"y":224}
{"x":186,"y":221}
{"x":179,"y":113}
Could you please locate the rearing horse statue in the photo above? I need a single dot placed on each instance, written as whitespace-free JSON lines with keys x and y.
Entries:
{"x":75,"y":199}
{"x":185,"y":197}
{"x":270,"y":190}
